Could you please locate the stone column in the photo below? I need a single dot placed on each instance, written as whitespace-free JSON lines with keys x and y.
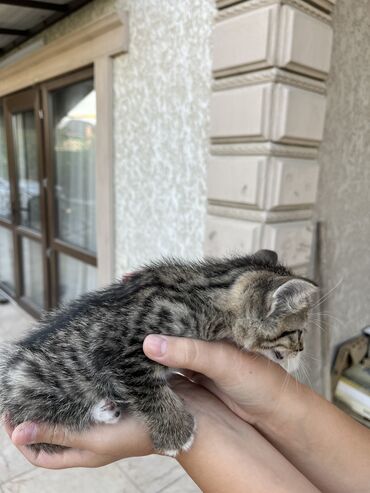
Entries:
{"x":270,"y":62}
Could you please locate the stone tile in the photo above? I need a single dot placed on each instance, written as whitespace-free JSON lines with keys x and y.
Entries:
{"x":12,"y":462}
{"x":152,"y":474}
{"x":109,"y":478}
{"x":183,"y":485}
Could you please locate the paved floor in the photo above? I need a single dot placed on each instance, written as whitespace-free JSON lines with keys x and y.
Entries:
{"x":152,"y":474}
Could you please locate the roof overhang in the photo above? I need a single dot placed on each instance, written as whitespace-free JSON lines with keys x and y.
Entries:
{"x":23,"y":19}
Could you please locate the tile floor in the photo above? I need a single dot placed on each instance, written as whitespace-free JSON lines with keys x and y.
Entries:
{"x":152,"y":474}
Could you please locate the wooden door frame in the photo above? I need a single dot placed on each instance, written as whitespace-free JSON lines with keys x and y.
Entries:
{"x":95,"y":43}
{"x":57,"y":245}
{"x":26,"y":100}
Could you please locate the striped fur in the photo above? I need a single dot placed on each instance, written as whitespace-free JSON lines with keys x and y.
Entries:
{"x":91,"y":350}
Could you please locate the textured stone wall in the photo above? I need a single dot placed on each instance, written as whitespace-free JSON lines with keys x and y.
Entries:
{"x":344,"y":187}
{"x":161,"y":94}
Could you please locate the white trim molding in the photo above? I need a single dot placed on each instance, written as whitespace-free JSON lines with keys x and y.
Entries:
{"x":267,"y":112}
{"x":94,"y":44}
{"x":287,"y":34}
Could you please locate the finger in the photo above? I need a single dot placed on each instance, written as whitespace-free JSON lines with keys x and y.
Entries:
{"x":189,"y":374}
{"x":68,"y":458}
{"x":29,"y":433}
{"x":219,"y":361}
{"x":217,"y":391}
{"x":129,"y":436}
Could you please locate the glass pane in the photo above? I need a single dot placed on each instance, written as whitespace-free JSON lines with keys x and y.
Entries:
{"x":26,"y":159}
{"x":6,"y":259}
{"x":75,"y":278}
{"x":33,"y":286}
{"x":74,"y":121}
{"x":4,"y":176}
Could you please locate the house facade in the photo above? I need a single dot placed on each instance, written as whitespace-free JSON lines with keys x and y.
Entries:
{"x":136,"y":129}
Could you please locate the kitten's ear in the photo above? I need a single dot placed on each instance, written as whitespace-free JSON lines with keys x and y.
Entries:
{"x":291,"y":297}
{"x":266,"y":257}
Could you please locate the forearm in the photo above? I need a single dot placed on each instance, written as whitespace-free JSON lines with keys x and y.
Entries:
{"x":326,"y":445}
{"x":231,"y":457}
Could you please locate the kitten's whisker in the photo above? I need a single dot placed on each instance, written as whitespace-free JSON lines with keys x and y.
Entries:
{"x":312,"y":357}
{"x":323,"y":329}
{"x":324,"y":315}
{"x":317,"y":323}
{"x":306,"y":374}
{"x":325,"y":296}
{"x":285,"y":381}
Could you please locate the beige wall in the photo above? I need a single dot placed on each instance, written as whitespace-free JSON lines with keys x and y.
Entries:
{"x":344,"y":189}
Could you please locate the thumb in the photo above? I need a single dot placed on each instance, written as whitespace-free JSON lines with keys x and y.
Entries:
{"x":219,"y":361}
{"x":29,"y":433}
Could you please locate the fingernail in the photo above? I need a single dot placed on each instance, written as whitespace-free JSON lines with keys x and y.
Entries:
{"x":156,"y":345}
{"x":25,"y":433}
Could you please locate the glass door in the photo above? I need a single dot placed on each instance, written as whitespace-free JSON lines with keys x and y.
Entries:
{"x":7,"y":275}
{"x":70,"y":122}
{"x":24,"y":238}
{"x":47,"y":192}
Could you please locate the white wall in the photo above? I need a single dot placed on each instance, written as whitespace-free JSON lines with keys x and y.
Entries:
{"x":161,"y":94}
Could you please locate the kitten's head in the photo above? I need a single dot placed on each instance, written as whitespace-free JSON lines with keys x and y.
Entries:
{"x":273,"y":310}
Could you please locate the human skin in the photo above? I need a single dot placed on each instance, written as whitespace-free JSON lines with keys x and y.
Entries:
{"x":228,"y":454}
{"x":326,"y":446}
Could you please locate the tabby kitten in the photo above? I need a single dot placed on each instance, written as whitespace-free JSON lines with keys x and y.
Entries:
{"x":84,"y":364}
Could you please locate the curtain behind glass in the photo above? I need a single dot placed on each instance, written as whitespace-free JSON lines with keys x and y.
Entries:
{"x":74,"y":120}
{"x":5,"y":210}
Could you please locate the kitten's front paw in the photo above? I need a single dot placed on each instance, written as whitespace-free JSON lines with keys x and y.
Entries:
{"x":105,"y":411}
{"x":176,"y":437}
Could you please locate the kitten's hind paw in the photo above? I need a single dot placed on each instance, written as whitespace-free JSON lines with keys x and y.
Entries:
{"x":185,"y":448}
{"x":106,"y":411}
{"x":177,"y":439}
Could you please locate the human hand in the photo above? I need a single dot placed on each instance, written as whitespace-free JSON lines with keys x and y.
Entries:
{"x":96,"y":447}
{"x":249,"y":384}
{"x":225,"y":447}
{"x":104,"y":444}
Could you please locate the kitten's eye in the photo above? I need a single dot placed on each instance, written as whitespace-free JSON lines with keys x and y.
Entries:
{"x":287,"y":333}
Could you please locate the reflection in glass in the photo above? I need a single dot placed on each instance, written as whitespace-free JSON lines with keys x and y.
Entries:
{"x":75,"y":278}
{"x":4,"y":175}
{"x":74,"y":121}
{"x":6,"y":259}
{"x":26,"y":159}
{"x":33,"y":286}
